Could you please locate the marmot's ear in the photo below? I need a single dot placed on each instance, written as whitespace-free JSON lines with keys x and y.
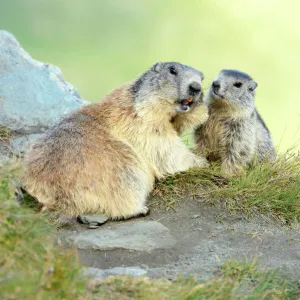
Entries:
{"x":252,"y":86}
{"x":157,"y":67}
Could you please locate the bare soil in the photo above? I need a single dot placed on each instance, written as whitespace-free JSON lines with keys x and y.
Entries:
{"x":204,"y":240}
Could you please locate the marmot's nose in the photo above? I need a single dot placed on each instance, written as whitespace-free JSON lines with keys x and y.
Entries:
{"x":194,"y":88}
{"x":216,"y":85}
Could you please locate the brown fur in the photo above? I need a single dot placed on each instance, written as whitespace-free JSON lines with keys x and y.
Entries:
{"x":105,"y":157}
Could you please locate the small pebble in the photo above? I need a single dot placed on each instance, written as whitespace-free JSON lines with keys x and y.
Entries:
{"x":93,"y":226}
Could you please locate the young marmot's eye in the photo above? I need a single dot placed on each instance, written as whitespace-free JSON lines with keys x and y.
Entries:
{"x":173,"y":71}
{"x":238,"y":84}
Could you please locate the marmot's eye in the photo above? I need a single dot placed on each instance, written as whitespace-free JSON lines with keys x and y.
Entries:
{"x":173,"y":71}
{"x":238,"y":84}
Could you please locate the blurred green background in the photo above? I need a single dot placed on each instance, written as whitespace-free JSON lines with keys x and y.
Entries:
{"x":101,"y":44}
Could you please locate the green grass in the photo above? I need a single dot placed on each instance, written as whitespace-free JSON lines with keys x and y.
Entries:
{"x":271,"y":188}
{"x":234,"y":280}
{"x":33,"y":267}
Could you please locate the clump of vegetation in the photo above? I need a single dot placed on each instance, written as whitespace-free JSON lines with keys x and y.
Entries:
{"x":5,"y":133}
{"x":271,"y":188}
{"x":235,"y":280}
{"x":30,"y":264}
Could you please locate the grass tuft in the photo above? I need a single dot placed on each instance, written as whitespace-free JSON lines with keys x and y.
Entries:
{"x":193,"y":183}
{"x":5,"y":133}
{"x":30,"y":264}
{"x":235,"y":280}
{"x":271,"y":188}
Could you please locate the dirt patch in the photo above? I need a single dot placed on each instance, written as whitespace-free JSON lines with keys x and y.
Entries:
{"x":204,"y":241}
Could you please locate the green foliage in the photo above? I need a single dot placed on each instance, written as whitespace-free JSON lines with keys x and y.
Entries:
{"x":30,"y":265}
{"x":258,"y":284}
{"x":235,"y":280}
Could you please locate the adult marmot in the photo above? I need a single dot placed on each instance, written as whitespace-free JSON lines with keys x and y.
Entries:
{"x":234,"y":131}
{"x":104,"y":157}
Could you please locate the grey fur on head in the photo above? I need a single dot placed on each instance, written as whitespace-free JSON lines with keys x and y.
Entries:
{"x":235,"y":87}
{"x":170,"y":81}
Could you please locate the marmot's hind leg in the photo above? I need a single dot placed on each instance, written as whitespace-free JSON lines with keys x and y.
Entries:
{"x":125,"y":197}
{"x":132,"y":206}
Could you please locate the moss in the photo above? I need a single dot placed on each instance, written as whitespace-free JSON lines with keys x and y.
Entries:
{"x":5,"y":133}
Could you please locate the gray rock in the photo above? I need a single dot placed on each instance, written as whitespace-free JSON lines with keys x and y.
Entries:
{"x":33,"y":95}
{"x":96,"y":273}
{"x":137,"y":235}
{"x":93,"y":221}
{"x":3,"y":159}
{"x":20,"y":145}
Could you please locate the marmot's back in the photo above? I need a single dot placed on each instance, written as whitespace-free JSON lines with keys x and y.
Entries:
{"x":265,"y":146}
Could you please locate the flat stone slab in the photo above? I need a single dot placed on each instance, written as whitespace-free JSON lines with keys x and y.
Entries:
{"x":137,"y":235}
{"x":96,"y":273}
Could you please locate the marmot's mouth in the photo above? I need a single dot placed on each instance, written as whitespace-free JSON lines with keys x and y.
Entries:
{"x":217,"y":95}
{"x":186,"y":103}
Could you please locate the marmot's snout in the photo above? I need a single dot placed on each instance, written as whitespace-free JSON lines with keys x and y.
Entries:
{"x":194,"y":89}
{"x":216,"y":87}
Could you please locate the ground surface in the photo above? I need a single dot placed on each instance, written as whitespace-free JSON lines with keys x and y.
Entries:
{"x":193,"y":241}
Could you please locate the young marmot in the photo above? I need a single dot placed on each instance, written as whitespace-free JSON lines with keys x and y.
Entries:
{"x":234,"y":131}
{"x":104,"y":157}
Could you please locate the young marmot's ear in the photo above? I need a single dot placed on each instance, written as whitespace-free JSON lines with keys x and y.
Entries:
{"x":157,"y":67}
{"x":252,"y":86}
